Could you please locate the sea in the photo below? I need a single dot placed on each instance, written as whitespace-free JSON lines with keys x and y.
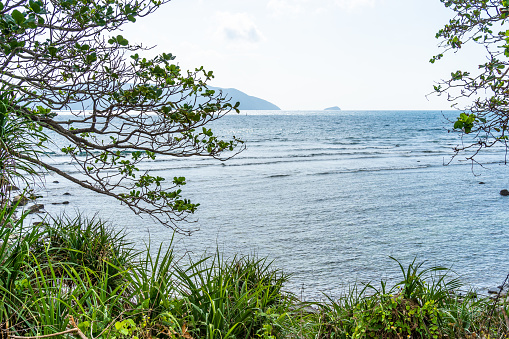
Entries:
{"x":330,"y":197}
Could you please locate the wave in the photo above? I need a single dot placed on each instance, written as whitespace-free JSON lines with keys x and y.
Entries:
{"x":375,"y":169}
{"x":167,"y":159}
{"x":159,"y":165}
{"x":279,"y":175}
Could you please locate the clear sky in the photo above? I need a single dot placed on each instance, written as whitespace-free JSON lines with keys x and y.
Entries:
{"x":310,"y":54}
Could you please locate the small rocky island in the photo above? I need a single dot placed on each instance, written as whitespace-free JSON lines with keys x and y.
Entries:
{"x":335,"y":108}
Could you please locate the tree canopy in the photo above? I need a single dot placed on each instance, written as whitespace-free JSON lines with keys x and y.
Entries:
{"x":61,"y":55}
{"x":485,"y":118}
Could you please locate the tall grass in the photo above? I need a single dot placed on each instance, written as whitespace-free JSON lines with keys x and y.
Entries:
{"x":226,"y":298}
{"x":79,"y":272}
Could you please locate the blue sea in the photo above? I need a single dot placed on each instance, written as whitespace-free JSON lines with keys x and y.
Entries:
{"x":329,"y":197}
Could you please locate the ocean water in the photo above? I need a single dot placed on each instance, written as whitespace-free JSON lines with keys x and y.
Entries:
{"x":329,"y":197}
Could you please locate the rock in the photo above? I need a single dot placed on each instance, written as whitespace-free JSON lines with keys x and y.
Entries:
{"x":20,"y":200}
{"x":482,"y":183}
{"x":56,"y":182}
{"x":502,"y":296}
{"x":60,"y":203}
{"x":504,"y":192}
{"x":67,"y":193}
{"x":304,"y":309}
{"x":36,"y":208}
{"x":472,"y":295}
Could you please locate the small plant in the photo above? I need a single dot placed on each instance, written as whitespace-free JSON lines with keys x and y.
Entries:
{"x":125,"y":328}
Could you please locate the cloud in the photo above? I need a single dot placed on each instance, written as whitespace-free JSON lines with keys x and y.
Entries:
{"x":238,"y":28}
{"x":352,"y":4}
{"x":278,"y":7}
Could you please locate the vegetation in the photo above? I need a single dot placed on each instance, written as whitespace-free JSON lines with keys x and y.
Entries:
{"x":125,"y":109}
{"x":78,"y":278}
{"x":486,"y":116}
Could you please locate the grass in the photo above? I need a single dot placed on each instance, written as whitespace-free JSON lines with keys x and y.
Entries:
{"x":79,"y":273}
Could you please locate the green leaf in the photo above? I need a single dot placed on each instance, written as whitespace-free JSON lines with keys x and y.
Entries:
{"x":30,"y":23}
{"x":35,"y":6}
{"x":52,"y":51}
{"x":18,"y":16}
{"x":121,"y":40}
{"x":84,"y":325}
{"x":92,"y":57}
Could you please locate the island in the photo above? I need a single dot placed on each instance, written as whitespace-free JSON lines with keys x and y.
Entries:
{"x":335,"y":108}
{"x":247,"y":102}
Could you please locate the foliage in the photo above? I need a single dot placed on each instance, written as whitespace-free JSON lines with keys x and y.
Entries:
{"x":230,"y":298}
{"x":481,"y":23}
{"x":17,"y":137}
{"x":87,"y":246}
{"x":125,"y":108}
{"x":50,"y":279}
{"x":422,"y":305}
{"x":48,"y":289}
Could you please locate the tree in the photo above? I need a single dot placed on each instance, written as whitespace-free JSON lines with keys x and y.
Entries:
{"x":485,"y":118}
{"x":59,"y":54}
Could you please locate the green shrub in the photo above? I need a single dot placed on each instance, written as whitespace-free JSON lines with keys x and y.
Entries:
{"x":90,"y":245}
{"x":80,"y":272}
{"x":231,"y":298}
{"x":422,"y":305}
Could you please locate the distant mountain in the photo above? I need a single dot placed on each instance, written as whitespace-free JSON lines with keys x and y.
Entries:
{"x":335,"y":108}
{"x":247,"y":102}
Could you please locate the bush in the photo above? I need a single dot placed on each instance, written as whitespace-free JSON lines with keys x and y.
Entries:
{"x":423,"y":305}
{"x":88,"y":245}
{"x":78,"y":272}
{"x":231,"y":298}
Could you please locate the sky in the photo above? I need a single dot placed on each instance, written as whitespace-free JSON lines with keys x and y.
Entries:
{"x":311,"y":54}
